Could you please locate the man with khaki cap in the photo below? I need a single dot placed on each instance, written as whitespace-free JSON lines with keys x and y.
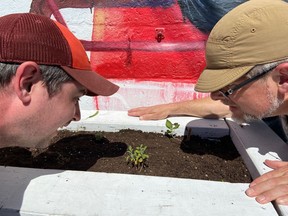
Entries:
{"x":247,"y":69}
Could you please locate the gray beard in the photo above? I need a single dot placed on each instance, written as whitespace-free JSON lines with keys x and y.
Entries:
{"x":275,"y":103}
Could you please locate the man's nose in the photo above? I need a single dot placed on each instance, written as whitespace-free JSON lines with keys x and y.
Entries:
{"x":217,"y":95}
{"x":77,"y":114}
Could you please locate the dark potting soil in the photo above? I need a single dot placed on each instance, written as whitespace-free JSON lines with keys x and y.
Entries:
{"x":197,"y":158}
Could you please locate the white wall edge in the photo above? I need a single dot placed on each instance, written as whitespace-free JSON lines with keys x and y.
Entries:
{"x":113,"y":121}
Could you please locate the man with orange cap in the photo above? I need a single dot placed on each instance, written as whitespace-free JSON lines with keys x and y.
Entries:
{"x":44,"y":70}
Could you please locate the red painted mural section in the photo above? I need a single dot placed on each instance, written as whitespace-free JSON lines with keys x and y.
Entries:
{"x":130,"y":49}
{"x":142,"y":43}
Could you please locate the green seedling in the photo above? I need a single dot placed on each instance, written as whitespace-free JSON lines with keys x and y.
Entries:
{"x":98,"y":136}
{"x":171,"y":127}
{"x":91,"y":116}
{"x":137,"y":157}
{"x":83,"y":128}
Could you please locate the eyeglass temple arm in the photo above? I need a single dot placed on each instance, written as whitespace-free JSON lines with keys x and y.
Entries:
{"x":265,"y":71}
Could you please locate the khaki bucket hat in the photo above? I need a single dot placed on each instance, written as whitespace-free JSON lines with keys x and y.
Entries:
{"x":253,"y":33}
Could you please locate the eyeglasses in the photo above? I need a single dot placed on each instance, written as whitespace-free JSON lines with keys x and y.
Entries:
{"x":233,"y":89}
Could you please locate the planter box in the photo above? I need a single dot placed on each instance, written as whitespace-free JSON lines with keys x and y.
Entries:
{"x":26,"y":191}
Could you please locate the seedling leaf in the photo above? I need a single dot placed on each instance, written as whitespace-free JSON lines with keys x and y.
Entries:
{"x":91,"y":116}
{"x":168,"y":124}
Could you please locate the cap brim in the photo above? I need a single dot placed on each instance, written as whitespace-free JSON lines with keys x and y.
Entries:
{"x":212,"y":80}
{"x":95,"y":83}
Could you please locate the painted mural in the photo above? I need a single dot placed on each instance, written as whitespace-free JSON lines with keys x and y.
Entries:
{"x":137,"y":39}
{"x":154,"y":49}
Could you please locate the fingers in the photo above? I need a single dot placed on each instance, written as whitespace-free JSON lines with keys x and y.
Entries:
{"x":275,"y":164}
{"x":137,"y":111}
{"x":280,"y":169}
{"x":272,"y":185}
{"x":154,"y":116}
{"x":269,"y":191}
{"x":149,"y":113}
{"x":282,"y":200}
{"x":140,"y":112}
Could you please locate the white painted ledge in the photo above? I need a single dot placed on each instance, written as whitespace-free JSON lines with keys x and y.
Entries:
{"x":113,"y":121}
{"x":256,"y":143}
{"x":28,"y":192}
{"x":54,"y":192}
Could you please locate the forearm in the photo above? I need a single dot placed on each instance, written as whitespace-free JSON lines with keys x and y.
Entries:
{"x":204,"y":108}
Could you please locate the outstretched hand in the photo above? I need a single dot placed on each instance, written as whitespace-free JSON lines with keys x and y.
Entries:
{"x":203,"y":108}
{"x":272,"y":185}
{"x":156,"y":112}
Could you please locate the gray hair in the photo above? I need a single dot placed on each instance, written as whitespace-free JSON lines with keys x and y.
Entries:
{"x":258,"y":69}
{"x":52,"y":76}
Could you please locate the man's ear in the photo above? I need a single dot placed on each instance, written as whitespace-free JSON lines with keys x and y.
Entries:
{"x":282,"y":70}
{"x":27,"y":75}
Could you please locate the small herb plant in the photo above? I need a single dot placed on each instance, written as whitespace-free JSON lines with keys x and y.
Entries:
{"x":171,"y":127}
{"x":137,"y":157}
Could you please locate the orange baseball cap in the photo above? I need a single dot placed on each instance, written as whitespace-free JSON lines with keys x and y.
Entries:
{"x":31,"y":37}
